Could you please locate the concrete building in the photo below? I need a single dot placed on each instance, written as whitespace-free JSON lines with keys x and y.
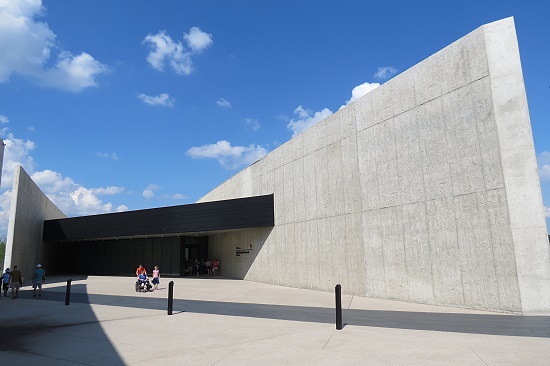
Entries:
{"x":424,"y":190}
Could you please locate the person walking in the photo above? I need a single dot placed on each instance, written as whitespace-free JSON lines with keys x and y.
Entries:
{"x":6,"y":281}
{"x":16,"y":282}
{"x":38,"y":277}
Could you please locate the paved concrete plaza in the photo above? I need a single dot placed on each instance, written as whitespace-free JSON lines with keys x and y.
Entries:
{"x":219,"y":321}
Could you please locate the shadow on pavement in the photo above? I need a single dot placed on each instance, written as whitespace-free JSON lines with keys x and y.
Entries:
{"x":37,"y":335}
{"x":507,"y":325}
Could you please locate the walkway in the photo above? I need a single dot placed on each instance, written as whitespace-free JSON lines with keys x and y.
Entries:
{"x":229,"y":322}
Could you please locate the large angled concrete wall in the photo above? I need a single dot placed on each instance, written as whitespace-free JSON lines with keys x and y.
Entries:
{"x":424,"y":190}
{"x":29,"y":208}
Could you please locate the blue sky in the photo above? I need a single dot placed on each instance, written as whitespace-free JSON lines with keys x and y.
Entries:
{"x":124,"y":105}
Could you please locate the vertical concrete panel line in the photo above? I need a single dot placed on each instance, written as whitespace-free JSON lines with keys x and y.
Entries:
{"x":483,"y":206}
{"x":401,"y":203}
{"x":382,"y":239}
{"x":378,"y":208}
{"x":476,"y":125}
{"x":420,"y":155}
{"x":304,"y":221}
{"x":491,"y":238}
{"x":404,"y":250}
{"x":483,"y":167}
{"x":345,"y":266}
{"x":337,"y":267}
{"x":459,"y":249}
{"x":424,"y":204}
{"x":307,"y":281}
{"x":295,"y":244}
{"x":446,"y":129}
{"x":316,"y":217}
{"x":429,"y":246}
{"x":375,"y":168}
{"x":485,"y":212}
{"x":280,"y":184}
{"x":361,"y":208}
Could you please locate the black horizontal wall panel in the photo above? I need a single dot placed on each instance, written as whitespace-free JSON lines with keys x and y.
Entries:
{"x":239,"y":213}
{"x":116,"y":256}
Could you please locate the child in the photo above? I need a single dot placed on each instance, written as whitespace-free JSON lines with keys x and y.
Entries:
{"x":156,"y":278}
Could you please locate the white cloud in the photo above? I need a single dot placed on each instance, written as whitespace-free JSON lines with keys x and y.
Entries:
{"x":70,"y":197}
{"x":179,"y":196}
{"x":85,"y":199}
{"x":385,"y":72}
{"x":253,"y":123}
{"x":16,"y":152}
{"x":544,"y":158}
{"x":149,"y":192}
{"x":31,"y":41}
{"x":122,"y":208}
{"x":165,"y":50}
{"x":197,"y":40}
{"x":4,"y":119}
{"x":162,"y":100}
{"x":230,"y":157}
{"x":361,"y":90}
{"x":223,"y":103}
{"x":110,"y":190}
{"x":73,"y":198}
{"x":544,"y":166}
{"x":547,"y":212}
{"x":73,"y":73}
{"x":28,"y":39}
{"x":112,"y":155}
{"x":305,"y":119}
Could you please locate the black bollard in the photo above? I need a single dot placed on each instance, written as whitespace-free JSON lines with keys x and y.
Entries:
{"x":338,"y":291}
{"x":68,"y":292}
{"x":170,"y":297}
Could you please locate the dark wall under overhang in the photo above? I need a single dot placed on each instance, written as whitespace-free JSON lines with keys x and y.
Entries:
{"x":122,"y":256}
{"x":242,"y":213}
{"x":115,"y":244}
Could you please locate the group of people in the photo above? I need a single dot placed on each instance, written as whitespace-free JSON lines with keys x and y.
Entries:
{"x":211,"y":267}
{"x":142,"y":278}
{"x":13,"y":278}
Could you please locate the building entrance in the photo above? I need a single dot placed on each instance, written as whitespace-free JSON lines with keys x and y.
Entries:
{"x":193,"y":249}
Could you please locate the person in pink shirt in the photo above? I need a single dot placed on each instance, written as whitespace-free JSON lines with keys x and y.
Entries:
{"x":156,"y":278}
{"x":215,"y":266}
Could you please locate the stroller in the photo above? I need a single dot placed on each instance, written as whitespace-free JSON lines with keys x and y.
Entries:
{"x":143,"y":285}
